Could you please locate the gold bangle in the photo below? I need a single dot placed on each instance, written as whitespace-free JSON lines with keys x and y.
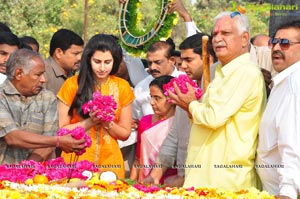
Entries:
{"x":109,"y":126}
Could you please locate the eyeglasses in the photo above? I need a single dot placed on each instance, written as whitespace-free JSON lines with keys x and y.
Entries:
{"x":283,"y":43}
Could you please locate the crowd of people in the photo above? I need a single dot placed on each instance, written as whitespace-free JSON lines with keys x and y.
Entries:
{"x":244,"y":131}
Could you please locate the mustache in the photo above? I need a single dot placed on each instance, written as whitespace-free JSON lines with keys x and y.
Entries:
{"x":154,"y":71}
{"x":278,"y":52}
{"x":219,"y":44}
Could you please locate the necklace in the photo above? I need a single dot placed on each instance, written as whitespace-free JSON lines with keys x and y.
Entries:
{"x":100,"y":85}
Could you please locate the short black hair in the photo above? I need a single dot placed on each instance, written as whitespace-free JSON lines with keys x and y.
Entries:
{"x":286,"y":25}
{"x":161,"y":45}
{"x":161,"y":81}
{"x":176,"y":53}
{"x":171,"y":42}
{"x":26,"y":40}
{"x":4,"y":27}
{"x":195,"y":42}
{"x":9,"y":39}
{"x":64,"y":39}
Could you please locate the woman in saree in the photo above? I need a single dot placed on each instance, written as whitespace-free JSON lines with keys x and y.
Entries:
{"x":100,"y":61}
{"x":152,"y":131}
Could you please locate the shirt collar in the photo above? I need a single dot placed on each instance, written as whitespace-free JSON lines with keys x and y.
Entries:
{"x":9,"y":88}
{"x":175,"y":71}
{"x":285,"y":73}
{"x":57,"y":70}
{"x":233,"y":65}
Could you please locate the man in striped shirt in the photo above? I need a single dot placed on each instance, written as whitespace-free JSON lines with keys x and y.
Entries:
{"x":28,"y":113}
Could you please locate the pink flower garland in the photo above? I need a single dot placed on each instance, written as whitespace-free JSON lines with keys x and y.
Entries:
{"x":77,"y":133}
{"x":181,"y":81}
{"x":55,"y":169}
{"x":105,"y":105}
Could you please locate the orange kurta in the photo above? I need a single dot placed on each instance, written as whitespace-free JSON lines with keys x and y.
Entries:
{"x":105,"y":151}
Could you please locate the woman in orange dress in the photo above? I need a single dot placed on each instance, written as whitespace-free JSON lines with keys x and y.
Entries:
{"x":100,"y":61}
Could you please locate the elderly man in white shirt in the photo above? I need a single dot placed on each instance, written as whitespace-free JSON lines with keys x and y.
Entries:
{"x":278,"y":152}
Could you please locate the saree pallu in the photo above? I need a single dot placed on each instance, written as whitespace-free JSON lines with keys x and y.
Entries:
{"x":151,"y":140}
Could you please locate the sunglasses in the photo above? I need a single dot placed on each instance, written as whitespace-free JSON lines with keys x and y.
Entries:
{"x":233,"y":14}
{"x":283,"y":43}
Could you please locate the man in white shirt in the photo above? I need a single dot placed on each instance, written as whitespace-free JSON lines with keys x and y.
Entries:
{"x":178,"y":6}
{"x":278,"y":152}
{"x":160,"y":63}
{"x":8,"y":44}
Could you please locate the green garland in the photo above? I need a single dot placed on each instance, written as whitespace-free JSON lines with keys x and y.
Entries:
{"x":135,"y":41}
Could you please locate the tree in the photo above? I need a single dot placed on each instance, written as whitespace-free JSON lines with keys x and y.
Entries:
{"x":38,"y":19}
{"x":41,"y":19}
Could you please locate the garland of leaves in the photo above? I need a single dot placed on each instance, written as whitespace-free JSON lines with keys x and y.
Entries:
{"x":136,"y":41}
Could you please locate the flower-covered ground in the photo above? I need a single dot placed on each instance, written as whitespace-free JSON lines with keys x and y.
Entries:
{"x":33,"y":180}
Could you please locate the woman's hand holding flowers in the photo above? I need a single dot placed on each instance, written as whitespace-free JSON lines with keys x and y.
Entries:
{"x":94,"y":118}
{"x":101,"y":109}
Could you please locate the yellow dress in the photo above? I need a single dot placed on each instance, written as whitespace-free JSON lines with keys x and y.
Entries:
{"x":105,"y":151}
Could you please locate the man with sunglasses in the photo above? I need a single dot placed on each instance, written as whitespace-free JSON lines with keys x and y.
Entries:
{"x":225,"y":121}
{"x":278,"y":152}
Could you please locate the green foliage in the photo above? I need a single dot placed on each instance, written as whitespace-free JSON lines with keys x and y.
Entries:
{"x":52,"y":12}
{"x":258,"y":14}
{"x":72,"y":16}
{"x":41,"y":19}
{"x":103,"y":17}
{"x":38,"y":19}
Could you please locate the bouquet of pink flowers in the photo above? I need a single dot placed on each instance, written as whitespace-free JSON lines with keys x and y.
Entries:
{"x":106,"y":106}
{"x":181,"y":81}
{"x":77,"y":133}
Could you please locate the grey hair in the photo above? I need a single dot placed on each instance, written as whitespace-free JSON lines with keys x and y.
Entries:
{"x":21,"y":58}
{"x":241,"y":22}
